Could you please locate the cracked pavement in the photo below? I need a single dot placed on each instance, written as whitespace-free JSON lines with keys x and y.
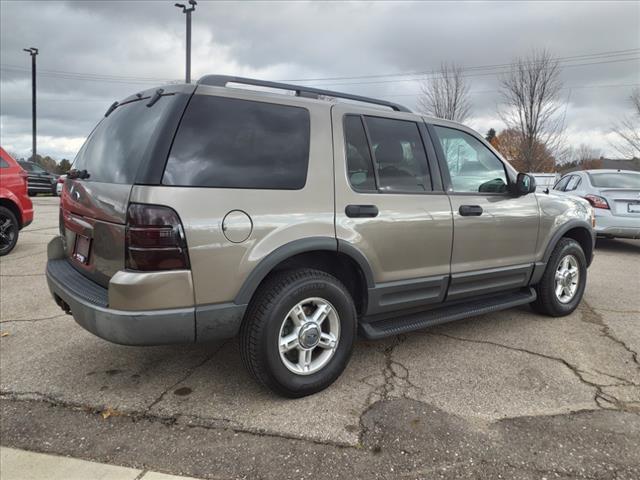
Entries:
{"x":444,"y":402}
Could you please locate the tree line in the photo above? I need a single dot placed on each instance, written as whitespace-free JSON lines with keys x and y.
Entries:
{"x":49,"y":164}
{"x":532,"y":111}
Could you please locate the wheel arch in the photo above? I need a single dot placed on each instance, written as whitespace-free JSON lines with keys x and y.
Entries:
{"x":336,"y":257}
{"x":578,"y":230}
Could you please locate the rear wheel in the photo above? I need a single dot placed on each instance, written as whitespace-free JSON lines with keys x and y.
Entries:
{"x":298,"y":333}
{"x":562,"y":285}
{"x":9,"y":229}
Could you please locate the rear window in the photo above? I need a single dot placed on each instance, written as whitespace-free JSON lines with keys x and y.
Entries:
{"x":231,"y":143}
{"x":615,"y":180}
{"x":117,"y":146}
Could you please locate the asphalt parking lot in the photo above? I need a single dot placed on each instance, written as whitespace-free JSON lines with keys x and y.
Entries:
{"x":512,"y":394}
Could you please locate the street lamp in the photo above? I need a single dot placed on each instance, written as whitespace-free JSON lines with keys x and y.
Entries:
{"x":187,"y":10}
{"x":33,"y":52}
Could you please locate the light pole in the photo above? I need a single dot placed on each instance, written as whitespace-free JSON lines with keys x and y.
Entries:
{"x":187,"y":10}
{"x":33,"y":52}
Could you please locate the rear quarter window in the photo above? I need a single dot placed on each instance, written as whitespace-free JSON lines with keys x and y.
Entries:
{"x":231,"y":143}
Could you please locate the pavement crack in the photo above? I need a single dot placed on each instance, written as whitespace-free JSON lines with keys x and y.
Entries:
{"x":608,"y":310}
{"x":194,"y":421}
{"x":591,"y":315}
{"x":601,"y":398}
{"x":189,"y":372}
{"x":21,"y":320}
{"x":396,"y":382}
{"x":624,"y":381}
{"x":23,"y":275}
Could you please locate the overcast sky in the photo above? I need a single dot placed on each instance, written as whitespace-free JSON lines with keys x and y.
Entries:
{"x":92,"y":53}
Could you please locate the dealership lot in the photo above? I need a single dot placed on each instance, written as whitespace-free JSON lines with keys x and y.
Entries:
{"x":510,"y":378}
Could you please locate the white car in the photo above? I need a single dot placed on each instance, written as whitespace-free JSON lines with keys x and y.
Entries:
{"x":545,"y":180}
{"x":60,"y":184}
{"x":614,"y":196}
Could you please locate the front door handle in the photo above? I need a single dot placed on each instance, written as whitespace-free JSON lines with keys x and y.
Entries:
{"x":470,"y":210}
{"x":361,"y":211}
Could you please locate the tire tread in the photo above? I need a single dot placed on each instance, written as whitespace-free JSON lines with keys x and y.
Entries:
{"x":545,"y":302}
{"x":254,"y":323}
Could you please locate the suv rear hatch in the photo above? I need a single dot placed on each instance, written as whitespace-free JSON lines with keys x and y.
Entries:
{"x":130,"y":145}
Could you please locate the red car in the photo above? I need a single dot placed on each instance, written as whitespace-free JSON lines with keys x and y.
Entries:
{"x":16,"y":209}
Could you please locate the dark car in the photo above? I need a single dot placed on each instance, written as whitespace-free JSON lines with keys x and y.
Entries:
{"x":39,"y":180}
{"x":16,"y":210}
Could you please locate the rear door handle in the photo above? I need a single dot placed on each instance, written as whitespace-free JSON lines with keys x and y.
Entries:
{"x":361,"y":211}
{"x":470,"y":210}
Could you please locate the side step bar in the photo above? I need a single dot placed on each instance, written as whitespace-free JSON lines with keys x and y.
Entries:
{"x":416,"y":321}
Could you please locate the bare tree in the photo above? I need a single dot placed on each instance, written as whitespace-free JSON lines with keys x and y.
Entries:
{"x":584,"y":153}
{"x":446,"y":94}
{"x":532,"y":107}
{"x":627,"y":130}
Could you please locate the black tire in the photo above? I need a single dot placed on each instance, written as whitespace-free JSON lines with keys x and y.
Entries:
{"x":260,"y":331}
{"x":547,"y":302}
{"x":9,"y":231}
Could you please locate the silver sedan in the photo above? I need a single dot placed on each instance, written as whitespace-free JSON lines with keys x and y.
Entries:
{"x":614,"y":196}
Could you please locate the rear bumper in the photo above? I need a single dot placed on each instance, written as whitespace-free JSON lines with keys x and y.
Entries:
{"x":88,"y":303}
{"x":27,"y":215}
{"x":617,"y":226}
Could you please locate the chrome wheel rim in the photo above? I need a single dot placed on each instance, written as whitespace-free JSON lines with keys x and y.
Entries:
{"x":567,"y":279}
{"x":309,"y":336}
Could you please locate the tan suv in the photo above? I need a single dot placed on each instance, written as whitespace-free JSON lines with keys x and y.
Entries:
{"x":200,"y":212}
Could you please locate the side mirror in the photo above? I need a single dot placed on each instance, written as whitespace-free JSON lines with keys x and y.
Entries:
{"x":525,"y":184}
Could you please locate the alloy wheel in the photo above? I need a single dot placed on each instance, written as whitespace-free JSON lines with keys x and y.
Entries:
{"x":567,"y":278}
{"x":309,"y":336}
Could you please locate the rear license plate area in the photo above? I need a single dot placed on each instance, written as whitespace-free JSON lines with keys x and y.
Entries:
{"x":633,"y":207}
{"x":81,"y":249}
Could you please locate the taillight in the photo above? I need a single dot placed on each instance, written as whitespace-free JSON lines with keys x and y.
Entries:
{"x":155,"y":239}
{"x":25,"y":177}
{"x":597,"y":202}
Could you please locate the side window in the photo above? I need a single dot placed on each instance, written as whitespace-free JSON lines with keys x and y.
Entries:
{"x":472,"y":166}
{"x":574,"y":181}
{"x":3,"y":163}
{"x":400,"y":158}
{"x":232,"y":143}
{"x":562,"y":183}
{"x":359,"y":164}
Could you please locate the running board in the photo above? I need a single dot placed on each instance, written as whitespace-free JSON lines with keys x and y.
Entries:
{"x":416,"y":321}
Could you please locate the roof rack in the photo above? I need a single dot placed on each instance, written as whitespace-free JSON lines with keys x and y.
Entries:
{"x":301,"y":91}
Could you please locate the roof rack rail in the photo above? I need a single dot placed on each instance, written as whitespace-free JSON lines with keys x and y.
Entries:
{"x":301,"y":91}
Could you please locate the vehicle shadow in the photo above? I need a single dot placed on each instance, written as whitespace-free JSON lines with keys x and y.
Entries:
{"x":615,"y":245}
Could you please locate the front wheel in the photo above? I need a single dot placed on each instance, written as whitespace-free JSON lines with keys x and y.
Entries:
{"x":564,"y":280}
{"x":298,"y":333}
{"x":9,"y":229}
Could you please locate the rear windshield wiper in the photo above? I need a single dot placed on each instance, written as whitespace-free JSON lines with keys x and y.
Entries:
{"x":156,"y":97}
{"x":113,"y":106}
{"x":81,"y":174}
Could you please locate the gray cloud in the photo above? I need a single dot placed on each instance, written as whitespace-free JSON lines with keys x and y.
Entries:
{"x":136,"y":45}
